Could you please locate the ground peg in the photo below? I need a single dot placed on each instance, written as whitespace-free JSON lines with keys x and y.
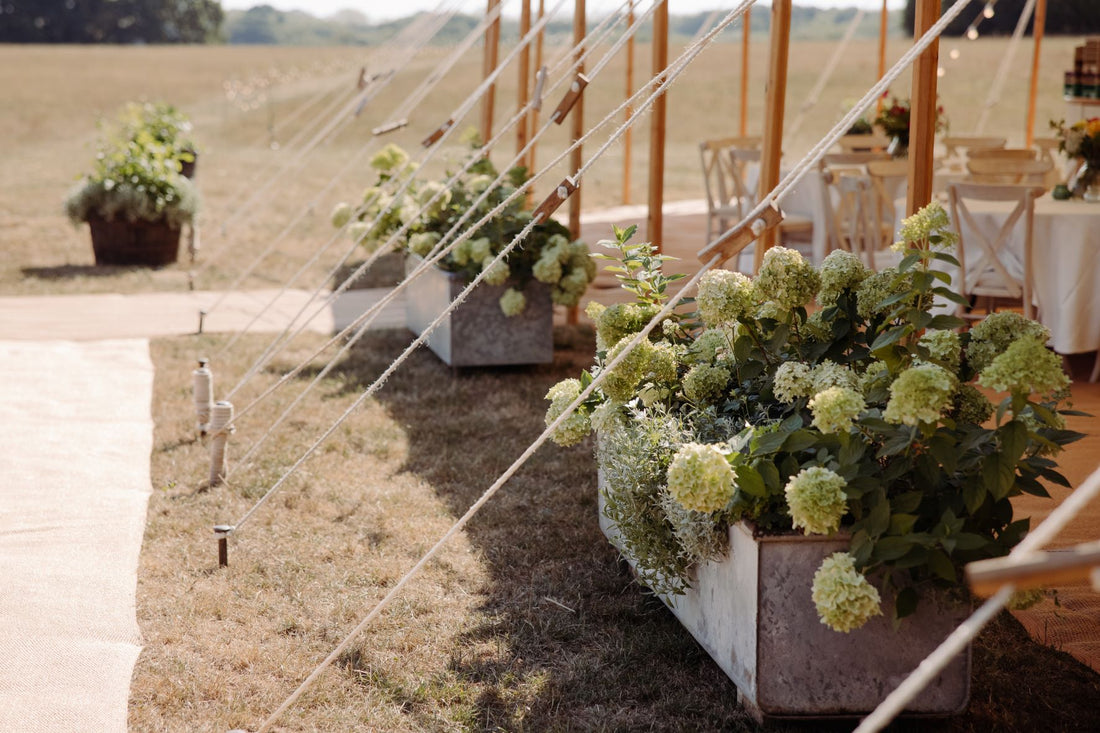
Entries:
{"x":221,"y":531}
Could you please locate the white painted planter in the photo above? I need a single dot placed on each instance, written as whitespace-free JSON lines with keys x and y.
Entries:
{"x":753,"y":613}
{"x":477,"y":333}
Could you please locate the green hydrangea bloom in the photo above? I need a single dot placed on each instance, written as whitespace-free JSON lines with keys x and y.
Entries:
{"x":816,"y":326}
{"x":622,"y":381}
{"x":944,"y":347}
{"x":930,"y":226}
{"x":993,"y":335}
{"x":512,"y":302}
{"x":792,"y":380}
{"x":371,"y":195}
{"x":663,"y":363}
{"x":496,"y":271}
{"x":705,"y":385}
{"x":919,"y":394}
{"x":479,"y":249}
{"x":724,"y":296}
{"x":1026,"y":367}
{"x":840,"y":271}
{"x":877,"y":374}
{"x":573,"y":429}
{"x":709,"y":346}
{"x":836,"y":408}
{"x":787,"y":279}
{"x":422,"y":243}
{"x":606,"y":417}
{"x":341,"y":215}
{"x":700,"y":478}
{"x":877,"y":288}
{"x":479,"y":184}
{"x":816,"y":499}
{"x":969,"y":405}
{"x":389,"y":159}
{"x":830,"y":374}
{"x":460,"y":253}
{"x":842,"y":595}
{"x":427,"y":192}
{"x":358,"y":231}
{"x":547,"y":268}
{"x":622,"y":319}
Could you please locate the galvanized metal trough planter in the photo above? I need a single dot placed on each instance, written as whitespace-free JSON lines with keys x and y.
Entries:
{"x":753,"y":614}
{"x":477,"y":333}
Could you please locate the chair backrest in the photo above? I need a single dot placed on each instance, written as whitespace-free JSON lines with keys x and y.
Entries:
{"x":954,"y":145}
{"x":989,"y":265}
{"x":1048,"y":150}
{"x":852,"y":160}
{"x":1002,"y":153}
{"x":1008,"y":171}
{"x":889,"y":180}
{"x":857,"y":224}
{"x":717,"y":175}
{"x":869,"y":143}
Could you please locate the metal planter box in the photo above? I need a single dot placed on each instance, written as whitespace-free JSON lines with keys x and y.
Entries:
{"x":752,"y":612}
{"x":477,"y":333}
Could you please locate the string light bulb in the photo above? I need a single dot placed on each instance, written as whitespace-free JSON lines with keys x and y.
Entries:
{"x":987,"y":11}
{"x":954,"y":54}
{"x":972,"y":33}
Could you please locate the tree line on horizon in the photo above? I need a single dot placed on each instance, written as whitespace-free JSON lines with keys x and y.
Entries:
{"x":205,"y":21}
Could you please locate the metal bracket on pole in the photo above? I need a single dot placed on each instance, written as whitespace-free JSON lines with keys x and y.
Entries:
{"x":556,"y":198}
{"x":221,"y":532}
{"x":432,"y":139}
{"x":732,"y":242}
{"x":202,"y":318}
{"x":540,"y":82}
{"x":575,"y":89}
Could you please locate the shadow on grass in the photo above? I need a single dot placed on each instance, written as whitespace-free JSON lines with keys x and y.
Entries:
{"x":73,"y":272}
{"x":579,"y":645}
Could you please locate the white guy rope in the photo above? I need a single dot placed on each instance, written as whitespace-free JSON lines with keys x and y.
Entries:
{"x":1002,"y":71}
{"x":825,"y":76}
{"x":410,"y":103}
{"x":364,"y":320}
{"x":896,"y":701}
{"x":484,"y":498}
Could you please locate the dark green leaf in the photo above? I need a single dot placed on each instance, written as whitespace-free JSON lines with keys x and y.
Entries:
{"x":799,"y":440}
{"x":750,"y":481}
{"x":902,"y":523}
{"x":889,"y":549}
{"x":906,"y":603}
{"x":940,"y":564}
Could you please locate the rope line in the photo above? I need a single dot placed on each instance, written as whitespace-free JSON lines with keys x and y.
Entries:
{"x":934,"y":663}
{"x":408,"y":105}
{"x":363,"y":321}
{"x":485,"y":496}
{"x":1002,"y":71}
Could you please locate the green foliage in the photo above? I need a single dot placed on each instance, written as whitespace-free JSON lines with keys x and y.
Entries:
{"x":118,"y":21}
{"x":426,"y":216}
{"x":136,"y":174}
{"x":926,"y":491}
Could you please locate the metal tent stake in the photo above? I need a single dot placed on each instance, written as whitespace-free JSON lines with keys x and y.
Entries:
{"x":203,"y":390}
{"x":221,"y":531}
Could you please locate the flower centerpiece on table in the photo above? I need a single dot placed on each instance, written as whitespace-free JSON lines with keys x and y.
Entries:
{"x":863,"y":416}
{"x":1081,"y":140}
{"x":429,"y":210}
{"x":893,"y":118}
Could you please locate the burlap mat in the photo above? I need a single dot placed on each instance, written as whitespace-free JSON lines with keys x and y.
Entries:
{"x":75,"y":453}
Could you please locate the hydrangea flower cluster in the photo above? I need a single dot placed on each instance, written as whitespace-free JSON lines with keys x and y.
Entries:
{"x":400,"y":211}
{"x":863,"y":415}
{"x":836,"y":408}
{"x":842,"y":595}
{"x":787,"y":279}
{"x":816,"y":499}
{"x":575,"y":427}
{"x":700,"y":478}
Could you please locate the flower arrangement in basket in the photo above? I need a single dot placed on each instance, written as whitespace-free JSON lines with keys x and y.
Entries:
{"x":1081,"y":140}
{"x":863,"y":417}
{"x":137,"y":170}
{"x":546,"y":255}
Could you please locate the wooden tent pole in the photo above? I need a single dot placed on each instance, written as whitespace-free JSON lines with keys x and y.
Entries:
{"x":656,"y":197}
{"x":883,"y":28}
{"x":576,"y":158}
{"x":1038,"y":26}
{"x":533,"y":117}
{"x":488,"y":64}
{"x":922,"y":115}
{"x":524,"y":81}
{"x":746,"y":30}
{"x":775,"y":104}
{"x":629,"y":111}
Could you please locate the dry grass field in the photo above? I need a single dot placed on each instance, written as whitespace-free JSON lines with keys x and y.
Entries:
{"x":54,"y":96}
{"x":526,"y":622}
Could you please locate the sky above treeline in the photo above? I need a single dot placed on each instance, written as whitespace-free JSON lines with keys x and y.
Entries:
{"x":376,"y":10}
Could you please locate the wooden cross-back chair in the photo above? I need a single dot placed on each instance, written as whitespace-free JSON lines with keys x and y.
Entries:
{"x":955,"y":145}
{"x":1002,"y":154}
{"x":839,"y":203}
{"x":794,"y":226}
{"x":722,"y":184}
{"x":871,"y":143}
{"x":1008,"y":171}
{"x":984,"y":251}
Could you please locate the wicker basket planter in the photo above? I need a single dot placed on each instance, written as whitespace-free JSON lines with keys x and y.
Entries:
{"x":477,"y":333}
{"x":142,"y":243}
{"x":753,"y":614}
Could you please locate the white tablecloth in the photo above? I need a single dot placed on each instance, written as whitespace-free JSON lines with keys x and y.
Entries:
{"x":1066,"y":264}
